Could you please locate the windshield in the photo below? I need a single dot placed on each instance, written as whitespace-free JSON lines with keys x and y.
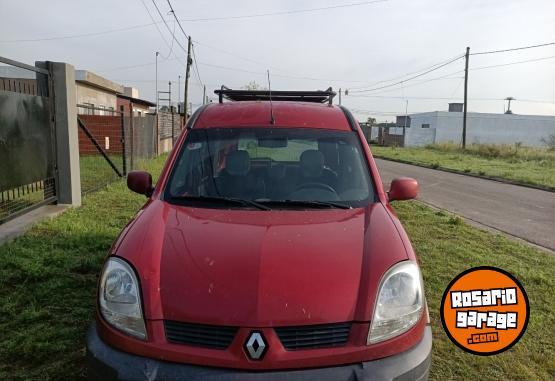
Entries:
{"x":278,"y":167}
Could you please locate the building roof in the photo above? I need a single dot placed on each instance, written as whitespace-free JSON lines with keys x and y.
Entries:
{"x":95,"y":80}
{"x":286,"y":114}
{"x":137,"y":100}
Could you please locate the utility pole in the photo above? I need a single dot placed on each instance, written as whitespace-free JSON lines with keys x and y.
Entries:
{"x":170,"y":94}
{"x":178,"y":93}
{"x":204,"y":95}
{"x":157,"y":53}
{"x":339,"y":96}
{"x":187,"y":73}
{"x":465,"y":108}
{"x":509,"y":106}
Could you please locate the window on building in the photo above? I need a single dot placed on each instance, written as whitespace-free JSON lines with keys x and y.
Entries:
{"x":425,"y":125}
{"x":89,"y":109}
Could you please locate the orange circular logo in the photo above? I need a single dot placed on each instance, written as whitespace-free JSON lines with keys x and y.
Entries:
{"x":485,"y":310}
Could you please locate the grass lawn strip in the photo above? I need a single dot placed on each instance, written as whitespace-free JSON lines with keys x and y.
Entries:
{"x":526,"y":166}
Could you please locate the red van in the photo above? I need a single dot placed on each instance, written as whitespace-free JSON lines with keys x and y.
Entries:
{"x":267,"y":250}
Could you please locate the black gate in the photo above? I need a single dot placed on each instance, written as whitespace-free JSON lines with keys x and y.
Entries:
{"x":27,"y":139}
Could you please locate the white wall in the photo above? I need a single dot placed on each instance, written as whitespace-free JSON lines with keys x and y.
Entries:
{"x":89,"y":94}
{"x":482,"y":128}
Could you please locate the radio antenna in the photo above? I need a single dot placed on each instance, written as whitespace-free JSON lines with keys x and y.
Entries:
{"x":272,"y":120}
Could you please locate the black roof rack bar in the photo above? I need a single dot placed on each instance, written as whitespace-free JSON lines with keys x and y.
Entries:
{"x":317,"y":96}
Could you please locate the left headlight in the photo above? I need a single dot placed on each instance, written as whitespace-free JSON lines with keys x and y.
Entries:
{"x":120,"y":299}
{"x":399,"y":302}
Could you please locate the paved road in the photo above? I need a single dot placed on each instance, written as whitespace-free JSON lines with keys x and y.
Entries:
{"x":522,"y":212}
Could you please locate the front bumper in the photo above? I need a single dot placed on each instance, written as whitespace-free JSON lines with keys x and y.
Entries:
{"x":107,"y":363}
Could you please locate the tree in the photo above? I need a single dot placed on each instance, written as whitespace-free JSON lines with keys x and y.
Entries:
{"x":371,"y":121}
{"x":252,"y":85}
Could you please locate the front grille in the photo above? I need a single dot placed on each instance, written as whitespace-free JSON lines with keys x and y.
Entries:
{"x":200,"y":335}
{"x":314,"y":336}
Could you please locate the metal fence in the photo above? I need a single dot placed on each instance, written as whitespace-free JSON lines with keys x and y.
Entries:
{"x":101,"y":146}
{"x":141,"y":139}
{"x":27,"y":144}
{"x":111,"y":143}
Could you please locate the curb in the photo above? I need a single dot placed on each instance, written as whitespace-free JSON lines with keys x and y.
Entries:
{"x":485,"y":227}
{"x":455,"y":171}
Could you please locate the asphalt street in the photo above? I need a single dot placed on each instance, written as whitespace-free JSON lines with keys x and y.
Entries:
{"x":523,"y":212}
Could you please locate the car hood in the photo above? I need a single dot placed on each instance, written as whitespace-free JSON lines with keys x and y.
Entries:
{"x":261,"y":268}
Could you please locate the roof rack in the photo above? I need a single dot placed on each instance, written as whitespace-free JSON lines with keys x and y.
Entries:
{"x":317,"y":96}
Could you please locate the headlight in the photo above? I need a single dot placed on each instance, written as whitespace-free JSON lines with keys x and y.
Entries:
{"x":119,"y":298}
{"x":399,"y":304}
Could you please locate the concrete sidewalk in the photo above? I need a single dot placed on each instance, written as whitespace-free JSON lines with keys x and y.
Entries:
{"x":18,"y":226}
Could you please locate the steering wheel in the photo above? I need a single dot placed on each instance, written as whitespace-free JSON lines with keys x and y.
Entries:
{"x":321,"y":186}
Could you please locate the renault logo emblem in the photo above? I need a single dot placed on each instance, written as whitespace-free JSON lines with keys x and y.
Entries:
{"x":255,"y":345}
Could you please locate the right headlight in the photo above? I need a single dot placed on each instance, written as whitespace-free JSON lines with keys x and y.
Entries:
{"x":399,"y":304}
{"x":120,"y":298}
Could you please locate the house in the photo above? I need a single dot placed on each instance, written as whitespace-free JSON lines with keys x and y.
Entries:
{"x":130,"y":101}
{"x":94,"y":92}
{"x":481,"y":128}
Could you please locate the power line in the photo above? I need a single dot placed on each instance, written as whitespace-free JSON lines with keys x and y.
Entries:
{"x":411,"y":78}
{"x":81,"y":35}
{"x":167,"y":26}
{"x":404,"y":75}
{"x":513,"y":49}
{"x":195,"y":67}
{"x":159,"y":31}
{"x":231,"y":54}
{"x":176,"y":19}
{"x":449,"y":98}
{"x":448,"y":76}
{"x":281,"y":13}
{"x":513,"y":63}
{"x":195,"y":62}
{"x":139,"y":26}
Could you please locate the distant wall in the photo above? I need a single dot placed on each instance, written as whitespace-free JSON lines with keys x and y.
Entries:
{"x":481,"y":128}
{"x":165,"y":133}
{"x":99,"y":98}
{"x":107,"y":132}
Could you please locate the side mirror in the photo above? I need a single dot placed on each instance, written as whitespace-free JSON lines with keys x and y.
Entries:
{"x":140,"y":182}
{"x":403,"y":188}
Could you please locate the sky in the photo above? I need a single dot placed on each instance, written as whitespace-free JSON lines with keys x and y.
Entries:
{"x":360,"y":46}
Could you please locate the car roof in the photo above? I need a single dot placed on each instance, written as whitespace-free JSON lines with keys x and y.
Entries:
{"x":286,"y":114}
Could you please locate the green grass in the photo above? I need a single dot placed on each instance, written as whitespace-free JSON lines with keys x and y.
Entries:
{"x":48,"y":279}
{"x":47,"y":285}
{"x":524,"y":165}
{"x":446,"y":246}
{"x":97,"y":172}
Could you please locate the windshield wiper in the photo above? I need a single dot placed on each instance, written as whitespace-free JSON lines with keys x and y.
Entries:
{"x":311,"y":204}
{"x":222,"y":200}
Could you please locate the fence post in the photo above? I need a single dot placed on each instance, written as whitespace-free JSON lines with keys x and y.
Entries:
{"x":157,"y":132}
{"x":132,"y":134}
{"x":173,"y":132}
{"x":122,"y":122}
{"x":66,"y":132}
